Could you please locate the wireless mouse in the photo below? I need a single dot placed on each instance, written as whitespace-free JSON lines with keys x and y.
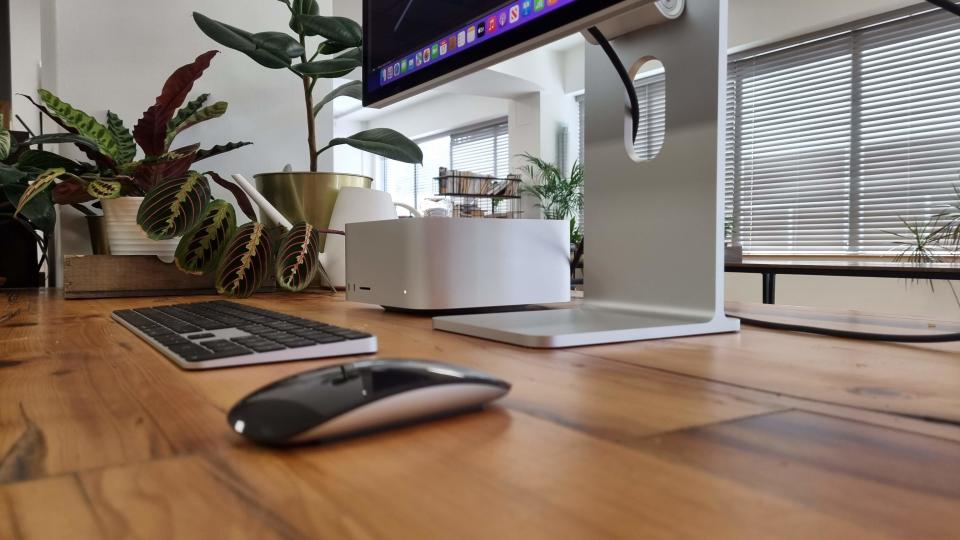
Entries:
{"x":356,"y":398}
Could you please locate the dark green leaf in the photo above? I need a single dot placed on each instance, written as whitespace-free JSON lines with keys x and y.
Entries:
{"x":331,"y":47}
{"x":40,"y":159}
{"x":84,"y":124}
{"x":187,"y":110}
{"x":5,"y":140}
{"x":39,"y":211}
{"x":126,"y":146}
{"x":245,"y":262}
{"x":298,"y":258}
{"x":337,"y":29}
{"x":352,"y":89}
{"x":63,"y":138}
{"x":382,"y":142}
{"x":173,"y":207}
{"x":39,"y":186}
{"x":353,"y":54}
{"x":278,"y":43}
{"x":267,"y":52}
{"x":328,"y":69}
{"x":219,"y":149}
{"x":199,"y":250}
{"x":302,"y":7}
{"x":10,"y":175}
{"x":216,"y":110}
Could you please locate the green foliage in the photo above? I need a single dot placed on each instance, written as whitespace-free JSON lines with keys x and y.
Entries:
{"x":173,"y":207}
{"x":101,"y":189}
{"x":5,"y":141}
{"x":245,"y":262}
{"x":63,"y":138}
{"x":126,"y":146}
{"x":219,"y":149}
{"x":187,"y":110}
{"x":558,"y":195}
{"x":199,"y":251}
{"x":340,"y":36}
{"x":84,"y":124}
{"x":216,"y":110}
{"x":935,"y":239}
{"x":38,"y":186}
{"x":383,"y":142}
{"x":298,"y":258}
{"x":351,"y":89}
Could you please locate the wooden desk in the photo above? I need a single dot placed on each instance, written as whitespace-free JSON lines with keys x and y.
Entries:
{"x":770,"y":269}
{"x":752,"y":435}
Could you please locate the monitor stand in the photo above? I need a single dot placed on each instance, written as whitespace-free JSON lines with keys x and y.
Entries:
{"x":654,"y":256}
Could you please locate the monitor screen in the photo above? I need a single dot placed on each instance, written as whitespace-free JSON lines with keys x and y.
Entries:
{"x":411,"y":43}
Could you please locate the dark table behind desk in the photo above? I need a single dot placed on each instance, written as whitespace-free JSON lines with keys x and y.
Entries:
{"x":771,"y":268}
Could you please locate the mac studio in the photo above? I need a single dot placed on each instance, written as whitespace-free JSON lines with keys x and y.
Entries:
{"x":338,"y":234}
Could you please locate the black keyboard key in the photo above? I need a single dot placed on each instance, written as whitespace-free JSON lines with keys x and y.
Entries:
{"x":200,"y":336}
{"x":171,"y":339}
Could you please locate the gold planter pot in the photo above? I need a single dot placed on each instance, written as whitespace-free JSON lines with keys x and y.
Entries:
{"x":306,"y":196}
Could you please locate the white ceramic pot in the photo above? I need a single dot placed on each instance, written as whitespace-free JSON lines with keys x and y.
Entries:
{"x":125,"y":236}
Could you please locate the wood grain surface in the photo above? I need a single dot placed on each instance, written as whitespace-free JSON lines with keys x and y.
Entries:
{"x":761,"y":434}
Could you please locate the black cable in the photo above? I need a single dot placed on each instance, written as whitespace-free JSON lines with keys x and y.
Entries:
{"x":947,"y":5}
{"x":624,"y":76}
{"x":849,"y":334}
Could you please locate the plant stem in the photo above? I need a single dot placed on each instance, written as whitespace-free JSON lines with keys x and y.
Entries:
{"x":308,"y":101}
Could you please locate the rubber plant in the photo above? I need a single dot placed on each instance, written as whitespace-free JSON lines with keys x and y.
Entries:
{"x":335,"y":52}
{"x":114,"y":169}
{"x":241,"y":258}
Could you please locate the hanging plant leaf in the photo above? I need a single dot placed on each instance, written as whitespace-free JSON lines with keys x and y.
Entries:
{"x":239,"y":194}
{"x":11,"y":175}
{"x":216,"y":110}
{"x":173,"y":207}
{"x":268,"y":51}
{"x":172,"y":165}
{"x":126,"y":146}
{"x":245,"y":262}
{"x":104,"y":189}
{"x":38,"y":186}
{"x":187,"y":110}
{"x":352,"y":89}
{"x":328,"y":69}
{"x":199,"y":251}
{"x":151,"y":131}
{"x":83,"y":123}
{"x":298,"y":258}
{"x":219,"y":149}
{"x":337,"y":29}
{"x":382,"y":142}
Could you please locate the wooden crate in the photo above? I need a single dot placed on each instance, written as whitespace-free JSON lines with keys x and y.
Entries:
{"x":109,"y":276}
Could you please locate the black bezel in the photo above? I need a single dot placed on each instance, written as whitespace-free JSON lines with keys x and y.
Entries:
{"x":539,"y":26}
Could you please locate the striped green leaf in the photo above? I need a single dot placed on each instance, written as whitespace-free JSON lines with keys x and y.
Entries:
{"x":104,"y":189}
{"x":39,"y":185}
{"x":298,"y":258}
{"x":174,"y":207}
{"x":4,"y":140}
{"x":187,"y":111}
{"x":85,"y":124}
{"x":216,"y":110}
{"x":246,"y":261}
{"x":126,"y":146}
{"x":200,"y":250}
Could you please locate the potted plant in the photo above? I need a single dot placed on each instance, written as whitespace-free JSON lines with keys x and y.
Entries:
{"x":559,"y":196}
{"x":115,"y":177}
{"x":336,"y":51}
{"x":22,"y":236}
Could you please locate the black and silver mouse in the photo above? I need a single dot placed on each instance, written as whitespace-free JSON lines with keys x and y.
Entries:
{"x":355,"y":398}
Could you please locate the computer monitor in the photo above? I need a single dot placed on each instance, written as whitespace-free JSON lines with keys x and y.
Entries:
{"x":414,"y":45}
{"x":654,"y":228}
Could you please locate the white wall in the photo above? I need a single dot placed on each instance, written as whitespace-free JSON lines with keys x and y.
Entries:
{"x":26,"y":52}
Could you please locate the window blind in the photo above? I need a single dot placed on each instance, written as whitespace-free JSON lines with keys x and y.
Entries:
{"x":835,"y":140}
{"x":652,"y":94}
{"x":484,"y":150}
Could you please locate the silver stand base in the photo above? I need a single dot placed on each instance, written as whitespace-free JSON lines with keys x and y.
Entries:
{"x":554,"y":329}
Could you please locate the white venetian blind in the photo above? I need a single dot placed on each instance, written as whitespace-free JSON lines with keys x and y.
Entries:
{"x":835,"y":140}
{"x":483,"y":150}
{"x":652,"y":95}
{"x":411,"y":184}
